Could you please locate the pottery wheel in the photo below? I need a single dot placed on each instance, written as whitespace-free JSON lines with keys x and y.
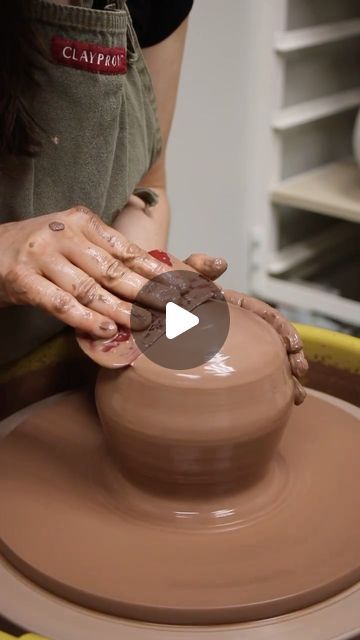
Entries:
{"x":74,"y":525}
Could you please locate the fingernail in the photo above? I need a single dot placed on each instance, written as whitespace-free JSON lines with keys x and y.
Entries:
{"x":181,"y":285}
{"x":214,"y":263}
{"x":109,"y":327}
{"x":209,"y":261}
{"x":140,"y":318}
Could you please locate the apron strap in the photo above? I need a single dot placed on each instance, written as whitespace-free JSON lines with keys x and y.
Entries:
{"x":120,"y":5}
{"x":133,"y":47}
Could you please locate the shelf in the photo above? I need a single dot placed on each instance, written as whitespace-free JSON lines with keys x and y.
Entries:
{"x":341,"y":277}
{"x":298,"y":39}
{"x":305,"y":112}
{"x":333,"y":190}
{"x":303,"y":296}
{"x":319,"y":247}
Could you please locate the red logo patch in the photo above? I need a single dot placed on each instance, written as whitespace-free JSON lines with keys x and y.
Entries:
{"x":89,"y":57}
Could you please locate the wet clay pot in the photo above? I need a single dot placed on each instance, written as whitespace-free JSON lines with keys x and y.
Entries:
{"x":206,"y":429}
{"x":87,"y":553}
{"x":198,"y":507}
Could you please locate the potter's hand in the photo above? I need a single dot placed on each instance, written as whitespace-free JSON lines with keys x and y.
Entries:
{"x":70,"y":264}
{"x":209,"y":267}
{"x":284,"y":328}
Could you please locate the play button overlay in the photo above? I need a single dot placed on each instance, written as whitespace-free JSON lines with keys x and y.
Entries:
{"x":178,"y":320}
{"x":189,"y":325}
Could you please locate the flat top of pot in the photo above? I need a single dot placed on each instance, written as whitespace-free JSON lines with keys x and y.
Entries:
{"x":252,"y":351}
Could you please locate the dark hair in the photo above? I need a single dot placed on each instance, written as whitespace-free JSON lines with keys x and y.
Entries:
{"x":18,"y":47}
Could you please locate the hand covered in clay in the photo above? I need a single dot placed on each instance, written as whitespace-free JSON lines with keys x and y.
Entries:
{"x":284,"y":328}
{"x":81,"y":271}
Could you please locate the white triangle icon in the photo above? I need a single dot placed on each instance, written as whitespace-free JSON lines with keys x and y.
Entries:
{"x":178,"y":320}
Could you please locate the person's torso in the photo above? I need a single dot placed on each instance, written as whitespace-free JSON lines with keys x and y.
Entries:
{"x":99,"y":132}
{"x":96,"y":111}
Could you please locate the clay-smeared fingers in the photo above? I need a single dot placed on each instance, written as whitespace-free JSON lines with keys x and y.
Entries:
{"x":116,"y":277}
{"x":210,"y":267}
{"x":129,"y":253}
{"x":299,"y":392}
{"x":65,"y":307}
{"x":92,"y":295}
{"x":298,"y":363}
{"x":283,"y":327}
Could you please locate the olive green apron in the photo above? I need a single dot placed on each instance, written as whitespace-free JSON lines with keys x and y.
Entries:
{"x":99,"y":134}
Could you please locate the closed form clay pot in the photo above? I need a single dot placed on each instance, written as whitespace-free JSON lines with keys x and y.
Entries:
{"x":209,"y":427}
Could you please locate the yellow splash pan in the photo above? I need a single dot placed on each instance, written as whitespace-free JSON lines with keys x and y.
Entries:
{"x":334,"y":360}
{"x":59,"y":365}
{"x":28,"y":636}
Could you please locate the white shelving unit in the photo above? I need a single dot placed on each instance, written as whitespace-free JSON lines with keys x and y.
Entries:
{"x":298,"y":39}
{"x":333,"y":189}
{"x":303,"y":195}
{"x":303,"y":113}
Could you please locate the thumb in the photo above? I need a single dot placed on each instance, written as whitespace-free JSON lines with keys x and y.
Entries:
{"x":209,"y":267}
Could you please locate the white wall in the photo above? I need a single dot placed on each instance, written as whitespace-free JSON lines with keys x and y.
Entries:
{"x":206,"y":162}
